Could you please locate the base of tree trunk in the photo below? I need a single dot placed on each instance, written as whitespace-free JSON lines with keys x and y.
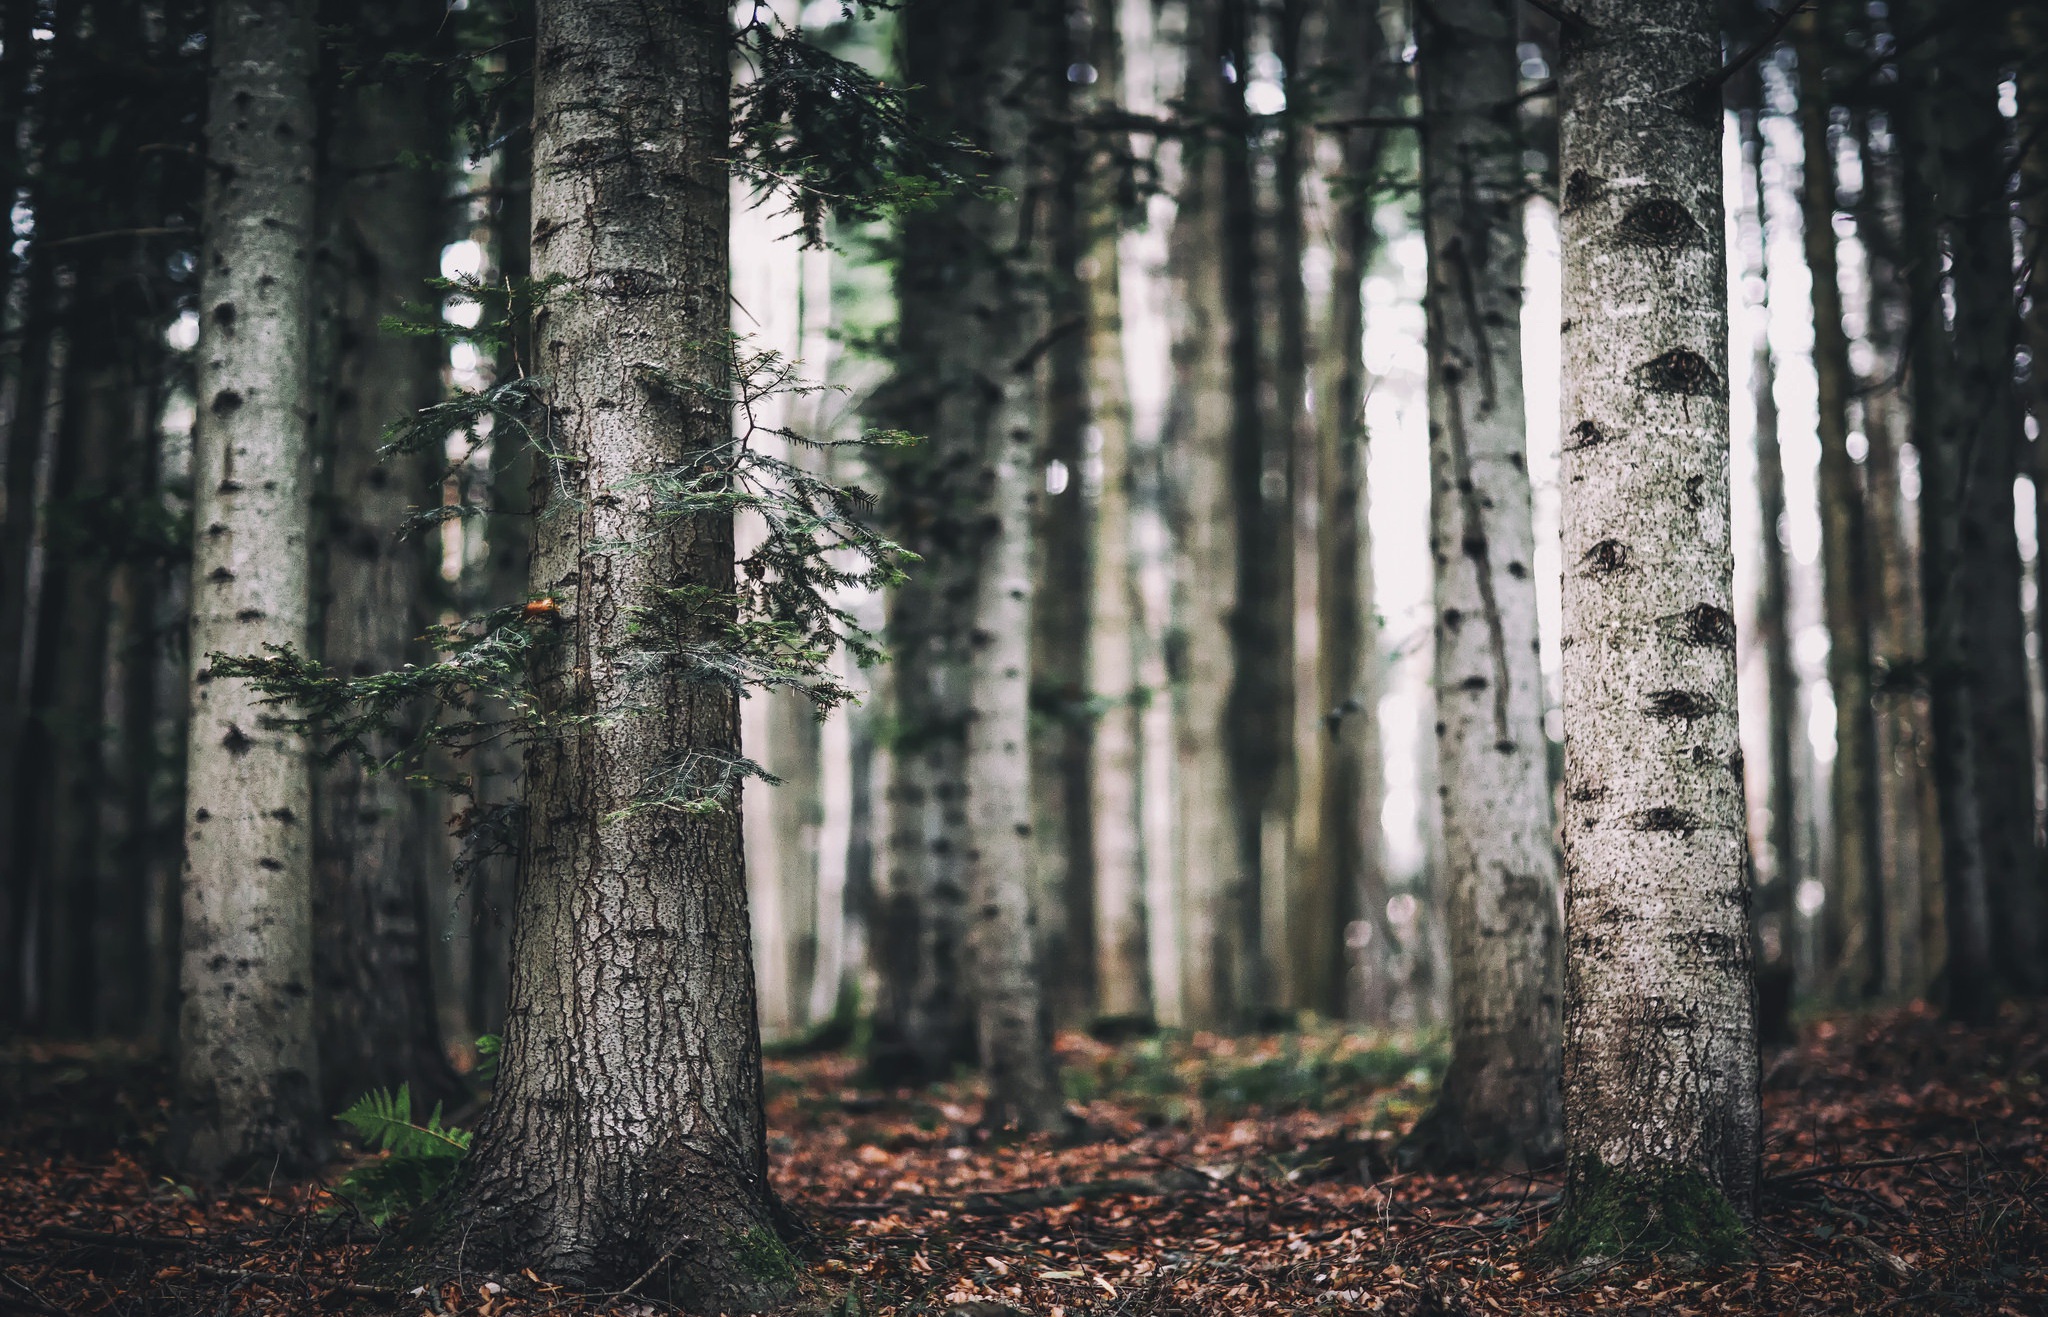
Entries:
{"x":754,"y":1270}
{"x":1612,"y":1212}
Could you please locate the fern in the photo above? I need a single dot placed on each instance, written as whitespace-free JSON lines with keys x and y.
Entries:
{"x":418,"y":1158}
{"x":384,"y":1119}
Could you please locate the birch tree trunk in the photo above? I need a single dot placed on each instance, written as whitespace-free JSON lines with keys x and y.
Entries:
{"x":1771,"y":909}
{"x":1499,"y":1099}
{"x":1660,"y":1058}
{"x":630,"y":947}
{"x":247,"y":1069}
{"x":382,"y":233}
{"x":1855,"y":908}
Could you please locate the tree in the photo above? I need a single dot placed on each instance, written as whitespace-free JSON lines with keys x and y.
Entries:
{"x":384,"y":221}
{"x":630,"y":944}
{"x":1941,"y":428}
{"x":1349,"y":868}
{"x":247,"y":1070}
{"x":1771,"y":915}
{"x":1660,"y":1059}
{"x":1855,"y":909}
{"x":1499,"y":1098}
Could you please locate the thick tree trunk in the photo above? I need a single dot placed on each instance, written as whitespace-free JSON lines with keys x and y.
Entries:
{"x":383,"y":226}
{"x":247,"y":1067}
{"x":630,"y":946}
{"x":1123,"y":979}
{"x":1771,"y":912}
{"x":1660,"y":1058}
{"x":1943,"y":433}
{"x":1349,"y":913}
{"x":1855,"y":907}
{"x":2030,"y":32}
{"x":1500,"y":1098}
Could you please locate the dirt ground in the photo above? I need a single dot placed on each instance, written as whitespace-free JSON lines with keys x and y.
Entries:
{"x":1904,"y":1160}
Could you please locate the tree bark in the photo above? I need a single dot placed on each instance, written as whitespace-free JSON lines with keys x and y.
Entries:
{"x":247,"y":1067}
{"x":1660,"y":1059}
{"x":1213,"y":453}
{"x":1771,"y":917}
{"x":1064,"y":550}
{"x":1123,"y":979}
{"x":2030,"y":32}
{"x":1855,"y":906}
{"x":1499,"y":1099}
{"x":385,"y":221}
{"x":630,"y":945}
{"x":1943,"y":433}
{"x":1350,"y":909}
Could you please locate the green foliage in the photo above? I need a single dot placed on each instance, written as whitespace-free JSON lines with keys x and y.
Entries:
{"x":1611,"y":1212}
{"x":419,"y":1158}
{"x":831,"y":137}
{"x":1312,"y":1070}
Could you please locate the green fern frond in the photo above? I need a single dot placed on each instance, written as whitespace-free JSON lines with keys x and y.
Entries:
{"x":384,"y":1120}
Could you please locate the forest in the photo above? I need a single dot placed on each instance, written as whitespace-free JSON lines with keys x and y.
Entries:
{"x":1011,"y":658}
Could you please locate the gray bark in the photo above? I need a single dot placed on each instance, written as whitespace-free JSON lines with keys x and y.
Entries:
{"x":247,"y":1069}
{"x":1499,"y":1099}
{"x":1660,"y":1058}
{"x":384,"y":222}
{"x":630,"y":944}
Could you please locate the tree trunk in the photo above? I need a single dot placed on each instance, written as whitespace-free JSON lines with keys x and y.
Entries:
{"x":1771,"y":913}
{"x":1349,"y":913}
{"x":1902,"y":709}
{"x":630,"y":946}
{"x":1213,"y":452}
{"x":384,"y":224}
{"x":1123,"y":980}
{"x":1061,"y":698}
{"x":247,"y":1066}
{"x":1660,"y":1059}
{"x":1499,"y":1099}
{"x":2030,"y":32}
{"x":1973,"y":197}
{"x":1855,"y":906}
{"x":1943,"y":433}
{"x":493,"y":876}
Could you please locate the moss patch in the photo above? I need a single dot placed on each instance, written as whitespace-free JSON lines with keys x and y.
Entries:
{"x":765,"y":1258}
{"x":1614,"y":1213}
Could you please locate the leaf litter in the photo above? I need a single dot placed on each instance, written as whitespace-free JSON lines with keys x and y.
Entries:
{"x":1904,"y":1173}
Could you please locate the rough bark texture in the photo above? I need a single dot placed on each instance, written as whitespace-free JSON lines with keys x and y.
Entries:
{"x":1349,"y":914}
{"x":630,"y":947}
{"x":1123,"y":980}
{"x":1771,"y":909}
{"x":1500,"y":1098}
{"x":1942,"y":432}
{"x":247,"y":1070}
{"x":1855,"y":907}
{"x":1660,"y":1058}
{"x":383,"y":224}
{"x":2030,"y":31}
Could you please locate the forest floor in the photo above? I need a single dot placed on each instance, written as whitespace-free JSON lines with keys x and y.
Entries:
{"x":1905,"y":1168}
